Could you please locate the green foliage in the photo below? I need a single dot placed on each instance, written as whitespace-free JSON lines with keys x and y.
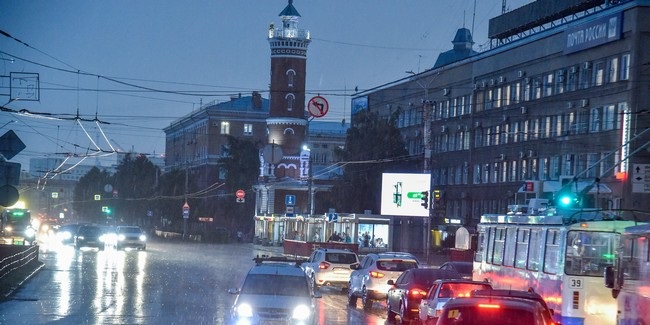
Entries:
{"x":241,"y":168}
{"x":373,"y":146}
{"x":89,"y":185}
{"x":135,"y":182}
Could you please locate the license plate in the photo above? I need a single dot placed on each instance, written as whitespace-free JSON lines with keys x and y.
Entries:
{"x":273,"y":322}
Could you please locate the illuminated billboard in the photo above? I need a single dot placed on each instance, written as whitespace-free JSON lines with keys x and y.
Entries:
{"x":405,"y":194}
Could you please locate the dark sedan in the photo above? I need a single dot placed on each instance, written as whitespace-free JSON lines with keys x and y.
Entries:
{"x":464,"y":268}
{"x":410,"y":288}
{"x":90,"y":236}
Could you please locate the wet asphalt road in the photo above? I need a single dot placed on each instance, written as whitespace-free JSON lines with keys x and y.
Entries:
{"x":169,"y":283}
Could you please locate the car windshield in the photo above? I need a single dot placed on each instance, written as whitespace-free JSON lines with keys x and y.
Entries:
{"x":129,"y":230}
{"x":450,"y":290}
{"x":487,"y":315}
{"x":90,"y":230}
{"x":396,"y":265}
{"x":280,"y":285}
{"x":340,"y":258}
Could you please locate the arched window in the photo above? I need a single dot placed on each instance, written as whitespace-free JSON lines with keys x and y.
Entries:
{"x":289,"y":131}
{"x":290,"y":99}
{"x":290,"y":77}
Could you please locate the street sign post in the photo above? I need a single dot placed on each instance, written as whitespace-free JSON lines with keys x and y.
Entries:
{"x":10,"y":144}
{"x":186,"y":211}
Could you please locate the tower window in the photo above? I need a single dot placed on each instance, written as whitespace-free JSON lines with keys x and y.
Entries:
{"x":290,"y":77}
{"x":289,"y":131}
{"x":290,"y":99}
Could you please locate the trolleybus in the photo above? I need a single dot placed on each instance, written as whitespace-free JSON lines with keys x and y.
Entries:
{"x":629,"y":278}
{"x":561,"y":256}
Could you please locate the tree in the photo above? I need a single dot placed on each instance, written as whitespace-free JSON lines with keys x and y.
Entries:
{"x":373,"y":146}
{"x":241,"y":167}
{"x":91,"y":184}
{"x":135,"y":182}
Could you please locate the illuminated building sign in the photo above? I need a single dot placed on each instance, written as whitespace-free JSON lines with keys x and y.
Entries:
{"x":593,"y":33}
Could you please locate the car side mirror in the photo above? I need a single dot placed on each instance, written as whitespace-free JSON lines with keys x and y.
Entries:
{"x":233,"y":291}
{"x":391,"y":282}
{"x":317,"y":294}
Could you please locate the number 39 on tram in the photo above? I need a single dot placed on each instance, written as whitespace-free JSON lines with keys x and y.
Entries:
{"x":560,"y":257}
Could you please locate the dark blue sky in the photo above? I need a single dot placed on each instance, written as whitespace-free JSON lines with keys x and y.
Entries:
{"x":209,"y":49}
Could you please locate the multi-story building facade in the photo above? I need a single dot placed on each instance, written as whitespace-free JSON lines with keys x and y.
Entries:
{"x":196,"y":141}
{"x":559,"y":100}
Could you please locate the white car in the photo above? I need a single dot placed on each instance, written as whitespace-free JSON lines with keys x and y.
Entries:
{"x":131,"y":236}
{"x":370,"y":280}
{"x":330,"y":267}
{"x":275,"y":291}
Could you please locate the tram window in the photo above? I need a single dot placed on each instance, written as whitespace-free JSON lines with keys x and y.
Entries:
{"x":522,"y":248}
{"x":535,"y":251}
{"x":478,"y":256}
{"x":509,"y":255}
{"x":490,"y":245}
{"x":552,"y":251}
{"x":499,"y":245}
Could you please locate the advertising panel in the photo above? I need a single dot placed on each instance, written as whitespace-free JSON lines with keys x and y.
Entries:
{"x":405,"y":194}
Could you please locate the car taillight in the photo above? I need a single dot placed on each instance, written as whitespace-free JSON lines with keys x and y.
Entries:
{"x":492,"y":306}
{"x":375,"y":274}
{"x":417,"y":293}
{"x":323,"y":265}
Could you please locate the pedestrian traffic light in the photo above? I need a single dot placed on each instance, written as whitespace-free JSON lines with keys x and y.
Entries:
{"x":425,"y":199}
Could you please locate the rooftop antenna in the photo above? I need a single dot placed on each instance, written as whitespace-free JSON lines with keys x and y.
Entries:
{"x":474,"y":17}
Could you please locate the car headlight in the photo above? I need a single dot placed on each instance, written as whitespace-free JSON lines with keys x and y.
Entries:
{"x":143,"y":237}
{"x":301,"y":312}
{"x":9,"y":229}
{"x":244,"y":310}
{"x":121,"y":237}
{"x":30,"y":232}
{"x":65,"y":235}
{"x":81,"y":237}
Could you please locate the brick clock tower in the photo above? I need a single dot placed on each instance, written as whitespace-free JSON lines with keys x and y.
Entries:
{"x":284,"y":164}
{"x":287,"y":122}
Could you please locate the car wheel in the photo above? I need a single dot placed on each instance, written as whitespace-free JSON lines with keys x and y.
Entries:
{"x":391,"y":314}
{"x":367,"y":302}
{"x":352,"y":299}
{"x":144,"y":248}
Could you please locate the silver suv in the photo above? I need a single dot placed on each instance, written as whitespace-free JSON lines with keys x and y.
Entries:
{"x":275,"y":291}
{"x":370,"y":280}
{"x":330,"y":267}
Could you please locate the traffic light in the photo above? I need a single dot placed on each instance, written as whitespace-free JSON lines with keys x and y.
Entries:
{"x":425,"y":199}
{"x":565,"y":197}
{"x":436,"y":195}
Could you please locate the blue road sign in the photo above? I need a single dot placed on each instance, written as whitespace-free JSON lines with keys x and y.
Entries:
{"x":290,"y":200}
{"x":10,"y":144}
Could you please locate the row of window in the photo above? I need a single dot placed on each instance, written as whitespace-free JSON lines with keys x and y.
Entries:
{"x":524,"y":168}
{"x":598,"y":119}
{"x":490,"y":95}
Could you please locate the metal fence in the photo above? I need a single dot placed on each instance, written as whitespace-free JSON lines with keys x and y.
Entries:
{"x":16,"y":257}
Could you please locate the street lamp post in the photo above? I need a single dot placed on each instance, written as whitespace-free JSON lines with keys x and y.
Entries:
{"x":427,"y":107}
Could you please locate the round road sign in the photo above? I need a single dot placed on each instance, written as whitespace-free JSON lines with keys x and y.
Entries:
{"x":318,"y":106}
{"x":240,"y":194}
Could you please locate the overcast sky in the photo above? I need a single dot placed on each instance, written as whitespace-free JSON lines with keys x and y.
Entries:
{"x":139,"y":65}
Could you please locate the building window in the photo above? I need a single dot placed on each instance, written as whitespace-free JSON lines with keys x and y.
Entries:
{"x":599,"y":73}
{"x":571,"y":79}
{"x":225,"y":127}
{"x":248,"y":129}
{"x":585,"y":76}
{"x":612,"y":68}
{"x":548,"y":84}
{"x":289,"y":131}
{"x":625,"y":67}
{"x":594,"y":117}
{"x":477,"y":174}
{"x":559,"y":81}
